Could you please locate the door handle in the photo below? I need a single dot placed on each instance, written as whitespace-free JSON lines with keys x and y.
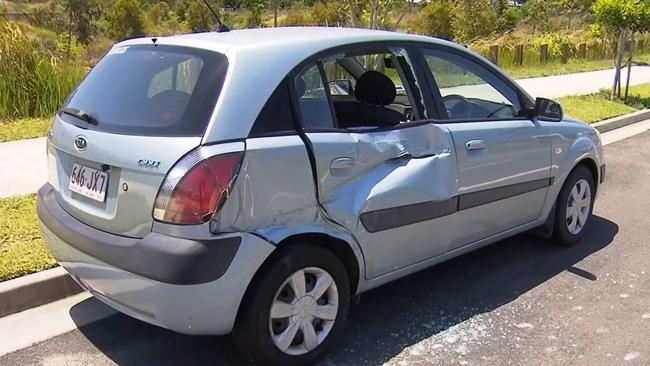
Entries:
{"x":342,"y":163}
{"x":475,"y":145}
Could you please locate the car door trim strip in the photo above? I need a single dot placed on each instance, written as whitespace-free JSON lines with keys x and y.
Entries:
{"x":390,"y":218}
{"x":474,"y":199}
{"x":393,"y":217}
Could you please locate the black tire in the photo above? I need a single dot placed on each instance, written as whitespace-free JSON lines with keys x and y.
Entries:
{"x":562,"y":235}
{"x":252,"y":333}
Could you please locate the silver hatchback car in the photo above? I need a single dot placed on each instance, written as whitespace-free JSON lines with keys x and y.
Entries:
{"x":255,"y":181}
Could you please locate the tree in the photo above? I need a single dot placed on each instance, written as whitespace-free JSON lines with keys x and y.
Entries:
{"x":256,"y":7}
{"x":159,"y":12}
{"x":508,"y":19}
{"x":126,"y":19}
{"x":576,"y":8}
{"x":539,"y":14}
{"x":199,"y":19}
{"x":500,"y":7}
{"x":623,"y":19}
{"x":374,"y":14}
{"x":473,"y":18}
{"x":435,"y":19}
{"x":81,"y":17}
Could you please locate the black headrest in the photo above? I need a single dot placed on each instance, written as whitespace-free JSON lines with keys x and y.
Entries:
{"x":375,"y":88}
{"x":301,"y":87}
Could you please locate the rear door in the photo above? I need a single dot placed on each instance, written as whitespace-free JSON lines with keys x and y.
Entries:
{"x":137,"y":112}
{"x":504,"y":158}
{"x":393,"y":188}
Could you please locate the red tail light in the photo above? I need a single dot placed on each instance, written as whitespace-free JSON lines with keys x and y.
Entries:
{"x":196,"y":187}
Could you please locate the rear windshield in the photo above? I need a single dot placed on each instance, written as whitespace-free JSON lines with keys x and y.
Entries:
{"x":150,"y":90}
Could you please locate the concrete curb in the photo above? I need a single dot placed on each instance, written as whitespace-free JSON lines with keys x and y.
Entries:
{"x":36,"y":289}
{"x":622,"y":121}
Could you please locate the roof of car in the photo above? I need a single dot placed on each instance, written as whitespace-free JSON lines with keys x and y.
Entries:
{"x":293,"y":37}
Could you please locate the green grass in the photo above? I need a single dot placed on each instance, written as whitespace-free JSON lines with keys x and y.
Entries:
{"x":26,"y":128}
{"x":558,"y":68}
{"x":597,"y":107}
{"x":22,"y":250}
{"x":593,"y":108}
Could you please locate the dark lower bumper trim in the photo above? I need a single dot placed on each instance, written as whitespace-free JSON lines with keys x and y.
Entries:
{"x":158,"y":257}
{"x":603,"y":170}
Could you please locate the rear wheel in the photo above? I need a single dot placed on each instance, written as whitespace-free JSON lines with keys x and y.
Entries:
{"x":295,"y":309}
{"x":574,"y":207}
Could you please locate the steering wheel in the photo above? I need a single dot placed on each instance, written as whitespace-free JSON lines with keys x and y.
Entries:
{"x":498,"y":110}
{"x":460,"y":106}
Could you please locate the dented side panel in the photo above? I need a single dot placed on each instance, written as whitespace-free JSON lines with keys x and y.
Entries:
{"x":274,"y":187}
{"x":369,"y":181}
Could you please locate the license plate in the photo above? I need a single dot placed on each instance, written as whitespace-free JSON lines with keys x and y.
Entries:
{"x":88,"y":182}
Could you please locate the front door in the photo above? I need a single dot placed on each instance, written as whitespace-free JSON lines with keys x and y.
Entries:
{"x":504,"y":158}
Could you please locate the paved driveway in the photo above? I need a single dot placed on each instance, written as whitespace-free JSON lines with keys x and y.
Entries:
{"x":522,"y":301}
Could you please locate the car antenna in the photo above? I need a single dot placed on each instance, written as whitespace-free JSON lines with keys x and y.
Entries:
{"x":222,"y":27}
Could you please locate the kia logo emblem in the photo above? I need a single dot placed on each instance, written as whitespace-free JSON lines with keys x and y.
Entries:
{"x":80,"y":143}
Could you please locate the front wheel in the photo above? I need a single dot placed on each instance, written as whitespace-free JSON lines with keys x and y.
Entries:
{"x":574,"y":207}
{"x":296,"y":307}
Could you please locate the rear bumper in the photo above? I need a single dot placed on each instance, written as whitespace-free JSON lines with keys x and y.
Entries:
{"x":192,"y":287}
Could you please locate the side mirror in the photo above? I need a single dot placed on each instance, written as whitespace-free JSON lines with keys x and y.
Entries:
{"x":548,"y":110}
{"x":341,"y":87}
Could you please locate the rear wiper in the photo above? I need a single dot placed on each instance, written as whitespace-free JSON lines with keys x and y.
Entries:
{"x":84,"y":116}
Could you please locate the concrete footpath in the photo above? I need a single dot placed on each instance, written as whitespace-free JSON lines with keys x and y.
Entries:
{"x":24,"y":168}
{"x":581,"y":83}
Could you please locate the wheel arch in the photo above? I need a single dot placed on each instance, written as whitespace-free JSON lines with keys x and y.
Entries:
{"x":337,"y":246}
{"x":351,"y":259}
{"x":591,"y":165}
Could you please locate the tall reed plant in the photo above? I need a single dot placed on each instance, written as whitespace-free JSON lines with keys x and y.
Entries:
{"x":34,"y":81}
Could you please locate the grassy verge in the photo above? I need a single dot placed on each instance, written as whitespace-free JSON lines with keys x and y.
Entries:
{"x":22,"y":250}
{"x":23,"y":129}
{"x":597,"y":107}
{"x":573,"y":66}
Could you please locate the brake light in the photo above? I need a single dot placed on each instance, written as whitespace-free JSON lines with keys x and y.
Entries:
{"x":195,"y":189}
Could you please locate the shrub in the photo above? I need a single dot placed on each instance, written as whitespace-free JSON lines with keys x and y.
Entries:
{"x":295,"y":16}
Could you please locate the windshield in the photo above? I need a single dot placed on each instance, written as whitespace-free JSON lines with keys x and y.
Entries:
{"x":149,"y":90}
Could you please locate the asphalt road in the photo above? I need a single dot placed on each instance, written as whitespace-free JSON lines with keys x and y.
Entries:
{"x":522,"y":301}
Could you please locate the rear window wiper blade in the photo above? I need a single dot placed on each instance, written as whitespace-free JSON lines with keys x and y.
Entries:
{"x":79,"y":114}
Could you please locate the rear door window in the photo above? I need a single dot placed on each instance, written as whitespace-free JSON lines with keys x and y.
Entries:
{"x":151,"y":90}
{"x":313,"y":100}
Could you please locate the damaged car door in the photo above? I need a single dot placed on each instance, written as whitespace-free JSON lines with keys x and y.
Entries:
{"x":390,"y":180}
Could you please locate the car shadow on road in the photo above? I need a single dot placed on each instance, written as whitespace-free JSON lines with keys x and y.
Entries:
{"x":389,"y":318}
